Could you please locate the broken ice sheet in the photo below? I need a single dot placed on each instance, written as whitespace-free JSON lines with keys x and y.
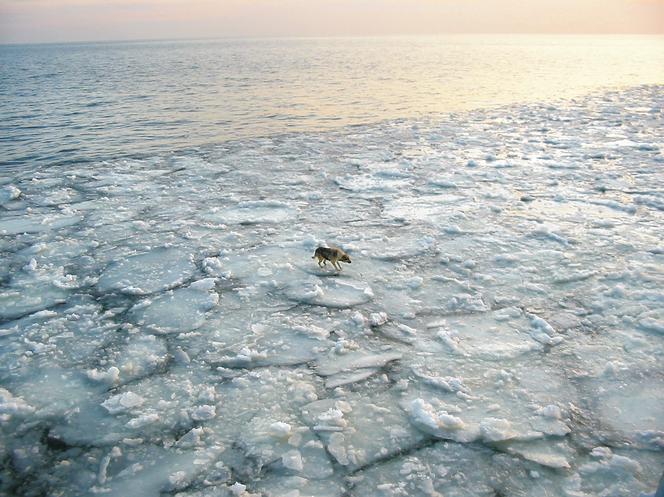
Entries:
{"x":351,"y":367}
{"x":158,"y":270}
{"x":518,"y":403}
{"x":361,"y":429}
{"x":329,"y":293}
{"x":35,"y":288}
{"x":505,"y":291}
{"x":178,"y":310}
{"x":614,"y":400}
{"x":253,"y":212}
{"x":495,"y":335}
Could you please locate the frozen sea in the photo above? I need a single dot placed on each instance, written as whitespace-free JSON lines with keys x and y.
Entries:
{"x":164,"y":330}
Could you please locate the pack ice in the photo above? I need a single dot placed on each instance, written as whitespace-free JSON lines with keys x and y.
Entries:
{"x":500,"y":331}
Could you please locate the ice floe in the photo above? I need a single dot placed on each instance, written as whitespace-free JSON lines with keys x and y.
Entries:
{"x":157,"y":270}
{"x":164,"y":329}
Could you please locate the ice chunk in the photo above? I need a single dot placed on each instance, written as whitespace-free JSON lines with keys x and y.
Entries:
{"x":546,"y":453}
{"x":280,"y":347}
{"x":140,"y":356}
{"x":330,"y":293}
{"x":292,"y":460}
{"x":652,"y":324}
{"x":442,"y":469}
{"x":12,"y":406}
{"x":122,"y":402}
{"x":372,"y":183}
{"x":161,"y":470}
{"x":178,"y":310}
{"x":8,"y":193}
{"x":158,"y":270}
{"x":54,"y":391}
{"x":36,"y":224}
{"x":613,"y":400}
{"x":334,"y":364}
{"x":402,"y":247}
{"x":493,"y":336}
{"x":361,"y":429}
{"x":440,"y":423}
{"x":253,"y":212}
{"x":203,"y":412}
{"x":36,"y":287}
{"x":29,"y":297}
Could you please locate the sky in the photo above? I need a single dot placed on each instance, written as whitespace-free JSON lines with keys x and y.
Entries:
{"x":29,"y":21}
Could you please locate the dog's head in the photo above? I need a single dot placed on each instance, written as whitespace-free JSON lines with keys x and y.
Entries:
{"x":345,"y":258}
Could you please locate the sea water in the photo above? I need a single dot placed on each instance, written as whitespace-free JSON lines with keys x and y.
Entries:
{"x":76,"y":102}
{"x":164,"y":329}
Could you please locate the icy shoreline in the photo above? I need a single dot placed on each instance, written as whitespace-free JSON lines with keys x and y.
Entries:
{"x":500,"y":330}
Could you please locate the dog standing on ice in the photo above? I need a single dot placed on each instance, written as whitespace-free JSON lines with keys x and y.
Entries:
{"x":332,"y":254}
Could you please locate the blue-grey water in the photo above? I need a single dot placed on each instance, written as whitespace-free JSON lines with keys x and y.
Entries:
{"x":76,"y":102}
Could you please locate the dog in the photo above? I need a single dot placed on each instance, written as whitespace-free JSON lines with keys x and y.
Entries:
{"x":332,"y":254}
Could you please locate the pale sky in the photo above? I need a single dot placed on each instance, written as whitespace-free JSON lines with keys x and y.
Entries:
{"x":97,"y":20}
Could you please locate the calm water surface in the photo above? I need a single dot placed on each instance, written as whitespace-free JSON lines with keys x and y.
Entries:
{"x":67,"y":103}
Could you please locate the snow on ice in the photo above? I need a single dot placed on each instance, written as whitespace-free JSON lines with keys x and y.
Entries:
{"x":164,"y":330}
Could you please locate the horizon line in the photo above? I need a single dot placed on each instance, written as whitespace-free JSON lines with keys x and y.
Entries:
{"x":315,"y":37}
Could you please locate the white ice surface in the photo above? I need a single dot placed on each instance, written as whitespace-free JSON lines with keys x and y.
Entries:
{"x":157,"y":270}
{"x":164,"y":329}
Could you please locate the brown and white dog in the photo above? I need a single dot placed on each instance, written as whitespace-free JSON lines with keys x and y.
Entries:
{"x":332,"y":254}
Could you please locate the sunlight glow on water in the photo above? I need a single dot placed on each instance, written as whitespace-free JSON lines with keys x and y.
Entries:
{"x":62,"y":103}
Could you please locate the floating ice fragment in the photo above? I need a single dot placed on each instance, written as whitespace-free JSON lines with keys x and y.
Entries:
{"x":377,"y":318}
{"x":253,"y":212}
{"x":292,"y":460}
{"x":34,"y":289}
{"x":143,"y":420}
{"x":158,"y":270}
{"x":550,"y":235}
{"x":550,"y":411}
{"x":572,"y":277}
{"x":122,"y":402}
{"x":650,"y":201}
{"x":331,"y":420}
{"x":214,"y":267}
{"x":279,"y":429}
{"x":442,"y":183}
{"x":543,"y":452}
{"x":204,"y":412}
{"x":237,"y":489}
{"x":337,"y":448}
{"x":652,"y":324}
{"x":447,"y":384}
{"x":601,"y":452}
{"x":346,"y":378}
{"x":371,"y":183}
{"x":543,"y":332}
{"x":178,"y":310}
{"x":423,"y":415}
{"x":8,"y":193}
{"x":330,"y":293}
{"x":192,"y":438}
{"x":403,"y":248}
{"x":497,"y":430}
{"x":11,"y":406}
{"x":330,"y":365}
{"x":35,"y":224}
{"x":110,"y":376}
